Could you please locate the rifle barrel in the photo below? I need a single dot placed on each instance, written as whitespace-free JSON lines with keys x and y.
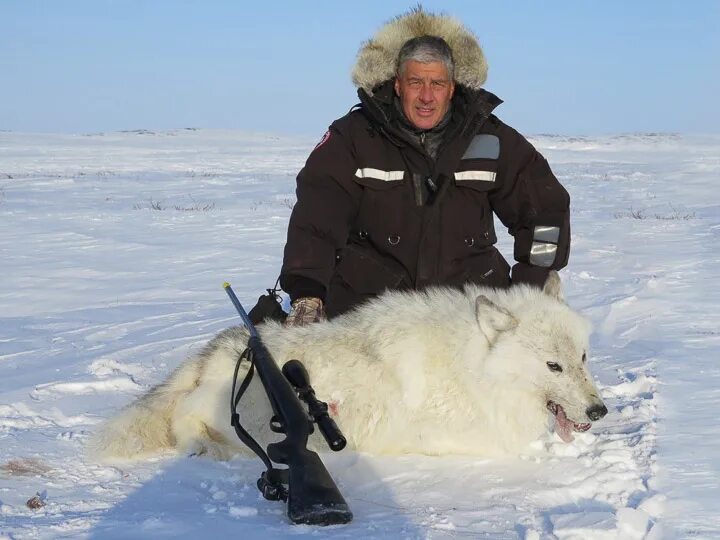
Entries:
{"x":241,"y":311}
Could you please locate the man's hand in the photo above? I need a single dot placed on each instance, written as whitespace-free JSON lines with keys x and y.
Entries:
{"x":304,"y":311}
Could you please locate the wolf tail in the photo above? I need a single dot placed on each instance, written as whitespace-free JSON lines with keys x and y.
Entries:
{"x":144,"y":427}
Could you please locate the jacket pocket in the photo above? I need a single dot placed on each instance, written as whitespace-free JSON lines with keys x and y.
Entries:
{"x":368,"y":273}
{"x":467,"y":215}
{"x":489,"y":269}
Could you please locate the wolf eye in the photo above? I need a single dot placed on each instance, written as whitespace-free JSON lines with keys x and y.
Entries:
{"x":584,"y":358}
{"x":554,"y":367}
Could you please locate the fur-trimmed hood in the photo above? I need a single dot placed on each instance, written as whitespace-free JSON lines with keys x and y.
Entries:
{"x":376,"y":60}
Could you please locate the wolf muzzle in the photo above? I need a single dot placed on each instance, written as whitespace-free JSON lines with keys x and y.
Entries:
{"x":596,"y":412}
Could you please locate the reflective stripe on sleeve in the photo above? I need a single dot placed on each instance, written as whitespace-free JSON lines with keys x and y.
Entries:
{"x":483,"y":176}
{"x":543,"y":233}
{"x":377,"y":174}
{"x":542,"y":254}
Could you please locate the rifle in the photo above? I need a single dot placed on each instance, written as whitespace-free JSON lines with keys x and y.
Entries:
{"x":311,"y":494}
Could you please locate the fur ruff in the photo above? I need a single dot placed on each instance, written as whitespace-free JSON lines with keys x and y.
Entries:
{"x":376,"y":60}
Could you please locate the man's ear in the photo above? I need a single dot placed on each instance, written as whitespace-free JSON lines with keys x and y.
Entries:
{"x":553,"y":286}
{"x":397,"y":85}
{"x":492,"y":318}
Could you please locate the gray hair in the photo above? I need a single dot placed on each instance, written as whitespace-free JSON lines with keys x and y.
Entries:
{"x":426,"y":49}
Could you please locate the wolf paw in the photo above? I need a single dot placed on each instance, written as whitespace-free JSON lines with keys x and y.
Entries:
{"x":209,"y":450}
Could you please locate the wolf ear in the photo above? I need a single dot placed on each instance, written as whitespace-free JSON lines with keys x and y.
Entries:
{"x":493,"y":318}
{"x":553,"y":286}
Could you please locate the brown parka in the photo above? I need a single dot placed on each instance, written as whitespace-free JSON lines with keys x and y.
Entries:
{"x":364,"y":220}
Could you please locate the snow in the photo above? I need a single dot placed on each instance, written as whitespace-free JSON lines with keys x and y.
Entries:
{"x":114,"y":250}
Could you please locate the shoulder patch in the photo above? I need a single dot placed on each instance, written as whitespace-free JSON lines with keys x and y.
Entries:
{"x":483,"y":146}
{"x":324,"y":139}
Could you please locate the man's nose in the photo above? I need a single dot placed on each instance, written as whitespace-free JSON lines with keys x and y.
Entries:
{"x":426,"y":95}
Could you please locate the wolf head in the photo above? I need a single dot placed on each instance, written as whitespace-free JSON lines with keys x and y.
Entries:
{"x":538,"y":341}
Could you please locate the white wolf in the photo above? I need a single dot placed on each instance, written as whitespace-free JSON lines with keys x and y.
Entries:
{"x":441,"y":371}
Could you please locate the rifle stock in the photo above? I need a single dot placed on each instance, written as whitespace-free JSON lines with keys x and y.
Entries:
{"x":313,"y":497}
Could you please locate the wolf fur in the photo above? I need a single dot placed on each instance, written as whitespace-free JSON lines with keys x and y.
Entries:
{"x":441,"y":371}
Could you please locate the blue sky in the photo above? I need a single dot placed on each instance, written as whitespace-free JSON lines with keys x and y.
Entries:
{"x":572,"y":67}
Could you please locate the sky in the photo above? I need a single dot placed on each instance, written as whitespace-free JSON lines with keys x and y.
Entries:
{"x":576,"y":68}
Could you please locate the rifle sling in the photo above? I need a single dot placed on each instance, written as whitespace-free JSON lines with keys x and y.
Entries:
{"x":243,"y":435}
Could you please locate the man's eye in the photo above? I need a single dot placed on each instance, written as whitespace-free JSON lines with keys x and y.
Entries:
{"x":554,"y":367}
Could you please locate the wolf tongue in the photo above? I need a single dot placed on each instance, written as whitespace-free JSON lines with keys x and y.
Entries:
{"x":563,"y":427}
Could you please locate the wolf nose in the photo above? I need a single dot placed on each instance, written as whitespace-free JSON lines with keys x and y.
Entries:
{"x":596,"y":412}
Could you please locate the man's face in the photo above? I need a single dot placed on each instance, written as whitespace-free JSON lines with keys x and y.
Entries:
{"x":425,"y":91}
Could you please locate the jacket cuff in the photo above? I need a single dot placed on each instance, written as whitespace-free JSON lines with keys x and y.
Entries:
{"x":525,"y":274}
{"x":301,"y":287}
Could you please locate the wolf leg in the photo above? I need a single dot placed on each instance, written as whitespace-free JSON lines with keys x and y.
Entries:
{"x":202,"y":440}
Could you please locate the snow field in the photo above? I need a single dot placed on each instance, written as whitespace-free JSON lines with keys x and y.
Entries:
{"x":114,"y":248}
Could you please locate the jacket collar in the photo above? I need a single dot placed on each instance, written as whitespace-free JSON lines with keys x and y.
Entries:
{"x":470,"y":103}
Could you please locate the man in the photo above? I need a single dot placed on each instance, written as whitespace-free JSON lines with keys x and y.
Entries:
{"x":400,"y":192}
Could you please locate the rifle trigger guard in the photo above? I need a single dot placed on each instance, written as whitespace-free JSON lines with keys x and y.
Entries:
{"x":276,"y":425}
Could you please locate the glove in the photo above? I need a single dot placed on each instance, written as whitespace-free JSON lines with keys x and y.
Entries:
{"x":523,"y":273}
{"x":304,"y":311}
